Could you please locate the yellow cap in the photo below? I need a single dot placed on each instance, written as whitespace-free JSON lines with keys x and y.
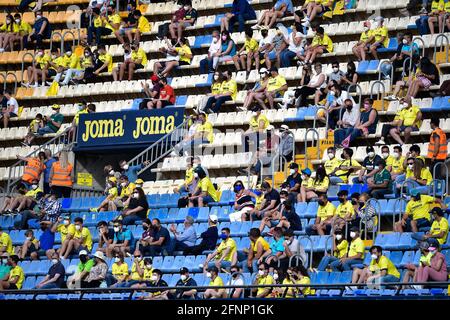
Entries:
{"x":139,"y":181}
{"x":112,"y":179}
{"x":56,"y":106}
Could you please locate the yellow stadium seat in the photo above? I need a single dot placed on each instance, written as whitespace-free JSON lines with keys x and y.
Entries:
{"x":28,"y":17}
{"x":441,"y":56}
{"x":378,"y":105}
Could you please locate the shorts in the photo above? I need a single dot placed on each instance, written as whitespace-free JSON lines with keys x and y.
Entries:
{"x":208,"y":199}
{"x":325,"y":9}
{"x":80,"y":248}
{"x":274,"y":223}
{"x":122,"y":31}
{"x":425,"y":82}
{"x":166,"y":103}
{"x":138,"y":66}
{"x":31,"y":249}
{"x":421,"y":223}
{"x":380,"y":45}
{"x":183,"y":63}
{"x":272,"y":54}
{"x":44,"y":130}
{"x":11,"y":114}
{"x":402,"y":128}
{"x":51,"y":72}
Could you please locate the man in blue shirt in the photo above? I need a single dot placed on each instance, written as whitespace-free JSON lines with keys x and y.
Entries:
{"x":186,"y":238}
{"x":131,"y":171}
{"x":209,"y":238}
{"x":160,"y":244}
{"x":123,"y":240}
{"x":46,"y":240}
{"x":48,"y":167}
{"x":41,"y":30}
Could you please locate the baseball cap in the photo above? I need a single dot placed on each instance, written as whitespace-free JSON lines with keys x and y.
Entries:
{"x":263,"y":70}
{"x":273,"y":68}
{"x":415,"y":193}
{"x":184,"y":270}
{"x":293,"y":165}
{"x":154,"y":78}
{"x":284,"y":127}
{"x":139,"y":181}
{"x":56,"y":106}
{"x":437,"y":210}
{"x":213,"y":218}
{"x":83,"y":253}
{"x":307,"y":171}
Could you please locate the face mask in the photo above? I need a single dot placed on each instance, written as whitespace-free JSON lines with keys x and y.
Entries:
{"x":135,"y":195}
{"x":224,"y":38}
{"x":68,"y":53}
{"x":275,"y":276}
{"x":385,"y":155}
{"x":28,"y":238}
{"x":148,"y":266}
{"x":17,"y":21}
{"x":432,"y":250}
{"x":335,"y":70}
{"x":116,"y":259}
{"x":116,"y":229}
{"x":78,"y":227}
{"x":123,"y":184}
{"x":223,"y":236}
{"x":371,"y":154}
{"x":396,"y":155}
{"x":125,"y":167}
{"x":216,"y":77}
{"x":404,"y":41}
{"x":66,"y":222}
{"x":376,"y":25}
{"x":292,"y":171}
{"x":321,"y":203}
{"x":330,"y":156}
{"x":83,"y":259}
{"x":54,"y":261}
{"x":405,"y":105}
{"x":5,"y":261}
{"x":254,"y":114}
{"x":183,"y":277}
{"x":410,"y":166}
{"x":154,"y":278}
{"x":366,"y":29}
{"x":332,"y":93}
{"x":111,"y":173}
{"x":196,"y":175}
{"x":40,"y":54}
{"x":8,"y":21}
{"x":374,"y":256}
{"x":261,"y":272}
{"x":38,"y":17}
{"x":215,"y":40}
{"x":349,"y":108}
{"x":303,"y":177}
{"x":208,"y":275}
{"x":352,"y":234}
{"x":341,"y":200}
{"x":238,"y":188}
{"x":338,"y":236}
{"x":86,"y":54}
{"x":282,"y":201}
{"x":34,"y":186}
{"x":361,"y":204}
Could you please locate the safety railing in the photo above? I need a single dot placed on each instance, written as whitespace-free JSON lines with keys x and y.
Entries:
{"x":23,"y":64}
{"x":398,"y":210}
{"x":311,"y":252}
{"x":56,"y":144}
{"x":381,"y":85}
{"x":64,"y":38}
{"x":316,"y":135}
{"x":10,"y":73}
{"x":442,"y":45}
{"x":419,"y":39}
{"x":392,"y":71}
{"x":52,"y":37}
{"x":160,"y":148}
{"x":438,"y":165}
{"x":83,"y":192}
{"x":358,"y":91}
{"x":378,"y":210}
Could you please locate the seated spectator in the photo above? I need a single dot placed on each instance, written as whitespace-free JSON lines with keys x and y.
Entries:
{"x":293,"y":181}
{"x":206,"y":64}
{"x":156,"y":282}
{"x":315,"y":186}
{"x":425,"y":23}
{"x":138,"y":268}
{"x":439,"y":229}
{"x":265,"y":46}
{"x":361,"y":48}
{"x":432,"y":265}
{"x":381,"y":270}
{"x":185,"y":281}
{"x":11,"y":110}
{"x":137,"y":60}
{"x":335,"y":103}
{"x":112,"y":194}
{"x":314,"y":9}
{"x":21,"y":30}
{"x":241,"y":11}
{"x":380,"y":37}
{"x":105,"y":236}
{"x":299,"y":275}
{"x":366,"y":125}
{"x":292,"y":248}
{"x":84,"y":268}
{"x":104,"y":61}
{"x":26,"y":200}
{"x":55,"y":276}
{"x":257,"y":125}
{"x":6,"y":245}
{"x":6,"y":32}
{"x":61,"y":225}
{"x":325,"y":214}
{"x":276,"y":46}
{"x":243,"y":202}
{"x":350,"y":78}
{"x":203,"y":135}
{"x":408,"y":164}
{"x":417,"y":215}
{"x":97,"y":274}
{"x":15,"y":278}
{"x":418,"y":177}
{"x":370,"y":166}
{"x":331,"y":165}
{"x":276,"y":86}
{"x":289,"y":219}
{"x":228,"y":92}
{"x":150,"y":93}
{"x":30,"y":247}
{"x":321,"y":44}
{"x":235,"y":280}
{"x":338,"y":251}
{"x":166,"y":96}
{"x":52,"y":124}
{"x":136,"y":207}
{"x":270,"y":202}
{"x":42,"y":29}
{"x":159,"y":243}
{"x":119,"y":270}
{"x":426,"y":75}
{"x":394,"y":162}
{"x":142,"y":244}
{"x":123,"y":240}
{"x":258,"y":247}
{"x":316,"y":82}
{"x":45,"y":209}
{"x":245,"y":55}
{"x":216,"y":89}
{"x":78,"y":239}
{"x":205,"y":193}
{"x":190,"y":17}
{"x":295,"y":49}
{"x":189,"y":185}
{"x":257,"y":92}
{"x":183,"y":51}
{"x":286,"y":145}
{"x":225,"y":255}
{"x":263,"y":278}
{"x":355,"y":253}
{"x":143,"y":26}
{"x":101,"y":26}
{"x":209,"y":238}
{"x":39,"y":68}
{"x":381,"y":183}
{"x":272,"y":217}
{"x":216,"y":281}
{"x":227,"y":51}
{"x":365,"y":212}
{"x":46,"y":239}
{"x":281,"y":9}
{"x":349,"y":119}
{"x":345,"y":211}
{"x":186,"y":238}
{"x":405,"y":82}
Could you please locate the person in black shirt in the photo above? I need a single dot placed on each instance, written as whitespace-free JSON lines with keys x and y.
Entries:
{"x":370,"y":166}
{"x":190,"y":16}
{"x":106,"y":236}
{"x":185,"y":281}
{"x":289,"y":219}
{"x":158,"y":283}
{"x":293,"y":181}
{"x":55,"y":276}
{"x":136,"y":207}
{"x":243,"y":202}
{"x":160,"y":242}
{"x":270,"y":202}
{"x":3,"y":100}
{"x":209,"y":238}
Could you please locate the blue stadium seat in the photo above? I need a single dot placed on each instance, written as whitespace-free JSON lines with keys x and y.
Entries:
{"x":189,"y":262}
{"x":245,"y":229}
{"x":373,"y":66}
{"x":299,"y":116}
{"x":311,"y":210}
{"x":167,"y":264}
{"x":362,"y":67}
{"x":406,"y":242}
{"x":182,"y":213}
{"x":332,"y":192}
{"x":224,"y":213}
{"x":181,"y":101}
{"x":29,"y":283}
{"x":207,"y":83}
{"x":235,"y":229}
{"x":203,"y":215}
{"x":392,"y":240}
{"x":244,"y":243}
{"x":392,"y":46}
{"x":321,"y":277}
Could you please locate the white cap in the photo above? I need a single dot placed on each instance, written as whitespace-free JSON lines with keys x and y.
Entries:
{"x":263,"y":70}
{"x":299,"y":35}
{"x":100,"y":255}
{"x":83,"y":253}
{"x":284,"y":126}
{"x":213,"y":218}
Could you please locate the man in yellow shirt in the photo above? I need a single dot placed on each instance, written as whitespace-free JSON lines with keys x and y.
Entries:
{"x":257,"y":125}
{"x":21,"y":29}
{"x":16,"y":276}
{"x":263,"y":278}
{"x":345,"y":212}
{"x":225,"y":255}
{"x":143,"y":26}
{"x":138,"y":60}
{"x":216,"y":281}
{"x":276,"y":86}
{"x":439,"y":229}
{"x":106,"y":61}
{"x":206,"y":192}
{"x":395,"y":161}
{"x":101,"y":27}
{"x":228,"y":93}
{"x":380,"y":35}
{"x":355,"y":253}
{"x":5,"y":243}
{"x":331,"y":165}
{"x":321,"y":44}
{"x":73,"y":69}
{"x":362,"y":46}
{"x":417,"y":212}
{"x":325,"y":214}
{"x":78,"y":238}
{"x":346,"y":166}
{"x":203,"y":135}
{"x":381,"y":268}
{"x":245,"y":54}
{"x":258,"y":247}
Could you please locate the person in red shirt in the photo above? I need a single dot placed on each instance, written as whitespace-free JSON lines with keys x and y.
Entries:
{"x":166,"y":96}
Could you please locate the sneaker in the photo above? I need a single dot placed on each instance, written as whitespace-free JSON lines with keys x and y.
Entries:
{"x":380,"y":142}
{"x":306,"y":24}
{"x":390,"y":98}
{"x":49,"y":83}
{"x":26,"y":85}
{"x":93,"y":210}
{"x":36,"y":85}
{"x":256,"y":27}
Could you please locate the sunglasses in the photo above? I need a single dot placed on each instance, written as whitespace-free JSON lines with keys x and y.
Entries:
{"x":116,"y":226}
{"x":410,"y":162}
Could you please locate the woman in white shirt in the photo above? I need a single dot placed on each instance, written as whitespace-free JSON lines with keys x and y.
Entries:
{"x":295,"y":48}
{"x":11,"y":111}
{"x":318,"y":81}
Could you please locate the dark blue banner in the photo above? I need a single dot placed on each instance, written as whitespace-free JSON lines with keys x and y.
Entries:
{"x":126,"y":128}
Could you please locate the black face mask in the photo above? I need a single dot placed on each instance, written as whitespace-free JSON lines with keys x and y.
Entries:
{"x":349,"y":108}
{"x":361,"y":204}
{"x":145,"y":228}
{"x":83,"y":259}
{"x":341,"y":200}
{"x":321,"y":203}
{"x":342,"y":157}
{"x":127,"y":51}
{"x":43,"y":228}
{"x":354,"y":202}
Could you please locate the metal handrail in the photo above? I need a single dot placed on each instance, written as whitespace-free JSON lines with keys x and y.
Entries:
{"x":392,"y":71}
{"x":33,"y":61}
{"x":4,"y":80}
{"x":436,"y":45}
{"x":407,"y":60}
{"x":412,"y":49}
{"x":378,"y":206}
{"x":397,"y":201}
{"x":57,"y":143}
{"x":311,"y":253}
{"x":278,"y":156}
{"x":316,"y":134}
{"x":326,"y":245}
{"x":383,"y":92}
{"x":15,"y":82}
{"x":73,"y":38}
{"x":160,"y":148}
{"x":57,"y":33}
{"x":357,"y":86}
{"x":446,"y":176}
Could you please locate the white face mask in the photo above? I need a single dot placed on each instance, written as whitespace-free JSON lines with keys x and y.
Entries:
{"x":54,"y":261}
{"x":338,"y":236}
{"x":208,"y":275}
{"x":8,"y":21}
{"x":371,"y":154}
{"x":38,"y":17}
{"x":135,"y":195}
{"x":216,"y":77}
{"x":335,"y":70}
{"x":34,"y":186}
{"x":303,"y":177}
{"x":78,"y":227}
{"x":215,"y":40}
{"x":385,"y":155}
{"x":17,"y":21}
{"x":4,"y":261}
{"x":330,"y":155}
{"x":40,"y":54}
{"x":254,"y":114}
{"x":396,"y":155}
{"x":195,"y":175}
{"x":186,"y":8}
{"x":410,"y":166}
{"x":116,"y":229}
{"x":261,"y":272}
{"x":332,"y":93}
{"x":352,"y":234}
{"x":87,"y":54}
{"x":116,"y":260}
{"x":66,"y":222}
{"x":405,"y":105}
{"x":275,"y":276}
{"x":374,"y":256}
{"x":148,"y":266}
{"x":291,"y":171}
{"x":123,"y":184}
{"x":183,"y":277}
{"x":195,"y":165}
{"x":68,"y":53}
{"x":111,"y":173}
{"x":365,"y":29}
{"x":139,"y":186}
{"x":154,"y":278}
{"x":125,"y":167}
{"x":28,"y":238}
{"x":404,"y":41}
